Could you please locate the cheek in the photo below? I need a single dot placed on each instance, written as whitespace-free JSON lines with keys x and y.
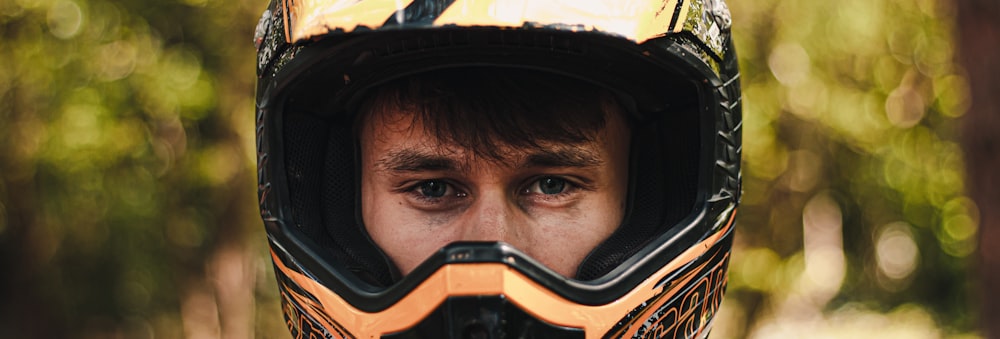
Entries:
{"x":562,"y":240}
{"x":595,"y":217}
{"x":404,"y":235}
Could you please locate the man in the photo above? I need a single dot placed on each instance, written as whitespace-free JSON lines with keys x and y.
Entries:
{"x":498,"y":168}
{"x":486,"y":154}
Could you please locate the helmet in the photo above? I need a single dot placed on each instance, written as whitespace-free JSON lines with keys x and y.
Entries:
{"x":661,"y":273}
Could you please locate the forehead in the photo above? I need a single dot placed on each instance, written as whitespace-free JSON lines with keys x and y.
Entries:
{"x":399,"y":142}
{"x":484,"y":110}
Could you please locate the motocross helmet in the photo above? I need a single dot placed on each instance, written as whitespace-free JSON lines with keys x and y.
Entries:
{"x":661,"y":274}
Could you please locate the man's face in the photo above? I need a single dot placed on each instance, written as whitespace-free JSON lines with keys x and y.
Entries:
{"x":419,"y":193}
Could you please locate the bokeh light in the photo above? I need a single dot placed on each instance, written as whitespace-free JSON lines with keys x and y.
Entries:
{"x":127,"y":203}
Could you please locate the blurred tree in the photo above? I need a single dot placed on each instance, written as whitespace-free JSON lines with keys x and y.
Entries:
{"x":979,"y":40}
{"x":127,"y":192}
{"x":126,"y":199}
{"x":854,"y":222}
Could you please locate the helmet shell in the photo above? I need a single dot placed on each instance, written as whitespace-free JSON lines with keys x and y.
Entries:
{"x":662,"y":274}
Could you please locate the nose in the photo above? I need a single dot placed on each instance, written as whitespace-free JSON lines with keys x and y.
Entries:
{"x":492,"y":217}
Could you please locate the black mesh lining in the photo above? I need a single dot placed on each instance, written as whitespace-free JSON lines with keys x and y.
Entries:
{"x":319,"y":160}
{"x":303,"y":147}
{"x":340,"y":214}
{"x":662,"y":192}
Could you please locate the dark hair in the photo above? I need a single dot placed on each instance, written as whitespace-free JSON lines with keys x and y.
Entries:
{"x":478,"y":108}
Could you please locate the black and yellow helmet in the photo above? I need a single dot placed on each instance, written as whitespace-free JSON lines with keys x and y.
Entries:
{"x":661,"y":274}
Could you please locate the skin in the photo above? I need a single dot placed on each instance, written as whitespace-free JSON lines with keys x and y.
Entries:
{"x":419,"y":194}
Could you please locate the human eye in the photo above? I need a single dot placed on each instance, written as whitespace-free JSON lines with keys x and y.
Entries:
{"x":433,"y":191}
{"x":433,"y":188}
{"x":549,"y":186}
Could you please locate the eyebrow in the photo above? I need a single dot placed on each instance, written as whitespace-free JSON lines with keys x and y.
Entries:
{"x":409,"y":160}
{"x":566,"y":157}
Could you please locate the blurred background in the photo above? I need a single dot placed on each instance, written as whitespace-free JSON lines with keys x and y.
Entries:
{"x":128,"y":196}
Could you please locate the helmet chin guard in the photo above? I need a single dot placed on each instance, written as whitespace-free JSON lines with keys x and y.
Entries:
{"x":470,"y":289}
{"x":661,"y":274}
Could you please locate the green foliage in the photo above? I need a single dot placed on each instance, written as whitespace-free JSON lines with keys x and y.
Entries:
{"x":854,"y":205}
{"x":126,"y":152}
{"x":127,"y":203}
